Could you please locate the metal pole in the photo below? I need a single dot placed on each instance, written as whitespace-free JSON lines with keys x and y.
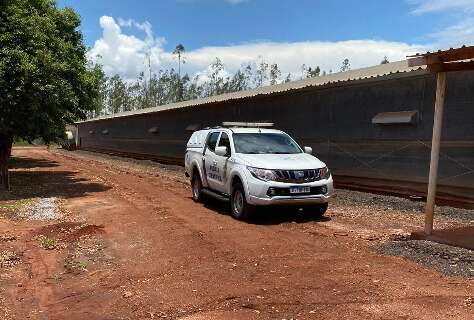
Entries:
{"x":435,"y":146}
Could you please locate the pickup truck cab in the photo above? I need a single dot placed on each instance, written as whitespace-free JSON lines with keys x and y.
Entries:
{"x":256,"y":167}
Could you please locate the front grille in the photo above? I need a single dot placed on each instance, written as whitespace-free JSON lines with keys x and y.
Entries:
{"x":281,"y":192}
{"x":297,"y":176}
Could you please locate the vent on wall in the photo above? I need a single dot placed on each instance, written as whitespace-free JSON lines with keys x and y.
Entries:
{"x":193,"y":127}
{"x":399,"y":117}
{"x":154,"y":130}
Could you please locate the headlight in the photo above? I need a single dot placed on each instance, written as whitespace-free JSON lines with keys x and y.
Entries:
{"x":324,"y":173}
{"x":262,"y":174}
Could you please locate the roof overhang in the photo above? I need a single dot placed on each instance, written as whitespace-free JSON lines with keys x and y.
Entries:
{"x":458,"y":59}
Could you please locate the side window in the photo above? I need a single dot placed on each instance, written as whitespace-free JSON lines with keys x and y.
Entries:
{"x":225,"y":142}
{"x":212,"y":141}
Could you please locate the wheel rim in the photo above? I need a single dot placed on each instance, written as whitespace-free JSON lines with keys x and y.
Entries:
{"x":238,"y":202}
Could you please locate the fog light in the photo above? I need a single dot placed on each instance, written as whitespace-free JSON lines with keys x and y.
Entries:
{"x":271,"y":192}
{"x":324,"y":189}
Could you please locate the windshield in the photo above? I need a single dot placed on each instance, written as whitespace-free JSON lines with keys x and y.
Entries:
{"x":264,"y":143}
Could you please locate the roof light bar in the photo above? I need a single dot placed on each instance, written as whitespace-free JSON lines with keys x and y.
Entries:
{"x":248,"y":124}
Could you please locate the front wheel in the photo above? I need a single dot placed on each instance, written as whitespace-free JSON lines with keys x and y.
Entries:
{"x":241,"y":210}
{"x":316,"y":210}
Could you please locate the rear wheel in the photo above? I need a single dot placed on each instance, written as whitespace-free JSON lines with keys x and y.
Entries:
{"x":196,"y":186}
{"x":316,"y":210}
{"x":241,"y":210}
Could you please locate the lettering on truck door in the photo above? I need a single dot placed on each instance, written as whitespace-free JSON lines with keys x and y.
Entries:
{"x":213,"y":173}
{"x":221,"y":163}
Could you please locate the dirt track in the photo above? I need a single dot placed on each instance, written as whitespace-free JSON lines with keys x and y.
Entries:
{"x":135,"y":246}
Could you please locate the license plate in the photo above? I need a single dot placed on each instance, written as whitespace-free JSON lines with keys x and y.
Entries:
{"x":295,"y":190}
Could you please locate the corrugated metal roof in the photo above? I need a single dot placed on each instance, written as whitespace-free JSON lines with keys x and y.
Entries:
{"x":450,"y":50}
{"x":340,"y":77}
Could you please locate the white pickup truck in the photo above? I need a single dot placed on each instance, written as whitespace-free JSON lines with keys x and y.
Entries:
{"x":256,"y":167}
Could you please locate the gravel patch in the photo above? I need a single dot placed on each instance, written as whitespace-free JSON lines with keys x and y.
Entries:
{"x":42,"y":209}
{"x":446,"y":259}
{"x":401,"y":205}
{"x":8,"y":259}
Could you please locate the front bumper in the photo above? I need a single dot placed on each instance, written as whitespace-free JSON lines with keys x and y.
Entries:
{"x":290,"y":200}
{"x":257,"y":193}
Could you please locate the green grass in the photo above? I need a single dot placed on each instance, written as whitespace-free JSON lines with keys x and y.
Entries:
{"x":13,"y":207}
{"x":48,"y":244}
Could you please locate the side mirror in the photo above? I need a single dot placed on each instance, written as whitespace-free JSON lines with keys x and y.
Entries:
{"x":221,"y":151}
{"x":308,"y":150}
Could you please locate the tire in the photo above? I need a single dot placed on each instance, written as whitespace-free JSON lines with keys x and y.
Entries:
{"x":316,"y":210}
{"x":240,"y":209}
{"x":196,"y":187}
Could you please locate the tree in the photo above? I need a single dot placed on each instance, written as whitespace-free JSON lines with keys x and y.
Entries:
{"x":262,"y":73}
{"x":238,"y":81}
{"x":101,"y":99}
{"x":179,"y":51}
{"x":275,"y":74}
{"x":346,"y":66}
{"x":385,"y":60}
{"x":118,"y":98}
{"x":45,"y":82}
{"x":217,"y":82}
{"x":311,"y":73}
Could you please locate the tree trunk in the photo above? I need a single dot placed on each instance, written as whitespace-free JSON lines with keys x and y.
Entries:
{"x":5,"y":152}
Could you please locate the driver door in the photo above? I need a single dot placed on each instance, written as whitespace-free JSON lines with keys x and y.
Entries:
{"x":213,"y":174}
{"x":222,"y":163}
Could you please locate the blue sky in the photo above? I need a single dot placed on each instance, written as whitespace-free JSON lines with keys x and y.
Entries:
{"x":288,"y":32}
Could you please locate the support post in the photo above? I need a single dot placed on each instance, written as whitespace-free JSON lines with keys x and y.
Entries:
{"x":435,"y":147}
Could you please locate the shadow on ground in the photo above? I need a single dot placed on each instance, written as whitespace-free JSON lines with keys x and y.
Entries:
{"x":30,"y":163}
{"x":27,"y":183}
{"x":268,"y":215}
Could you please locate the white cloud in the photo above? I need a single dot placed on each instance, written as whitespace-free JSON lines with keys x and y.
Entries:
{"x":426,"y":6}
{"x":462,"y":33}
{"x":290,"y":56}
{"x":126,"y":54}
{"x":456,"y":35}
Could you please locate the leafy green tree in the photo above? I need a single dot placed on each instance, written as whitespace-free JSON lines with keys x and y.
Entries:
{"x":118,"y":95}
{"x":101,"y":99}
{"x":44,"y":79}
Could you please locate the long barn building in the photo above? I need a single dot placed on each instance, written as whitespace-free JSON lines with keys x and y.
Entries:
{"x":372,"y":126}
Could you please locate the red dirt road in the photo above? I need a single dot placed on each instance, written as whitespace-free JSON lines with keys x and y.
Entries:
{"x":135,"y":246}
